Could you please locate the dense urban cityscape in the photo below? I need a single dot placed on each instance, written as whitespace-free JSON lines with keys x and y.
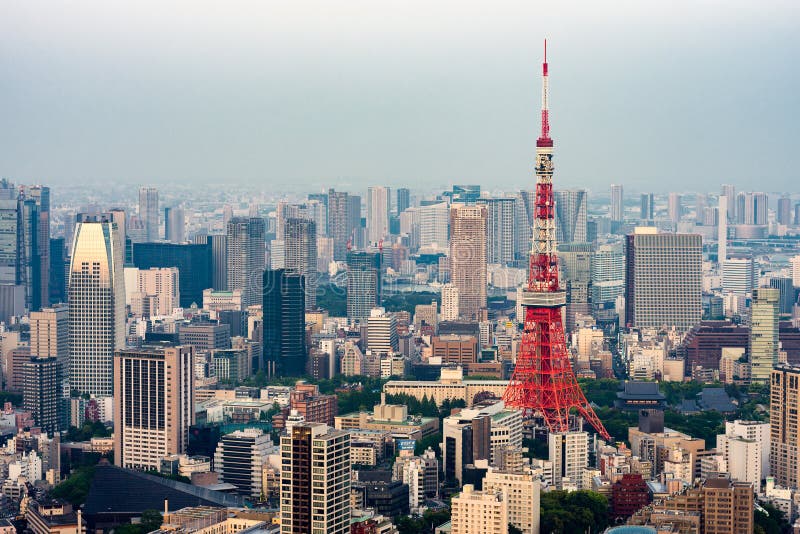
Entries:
{"x":228,"y":359}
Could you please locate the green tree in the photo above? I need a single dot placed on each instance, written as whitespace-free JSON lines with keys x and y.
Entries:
{"x":75,"y":488}
{"x":577,"y":511}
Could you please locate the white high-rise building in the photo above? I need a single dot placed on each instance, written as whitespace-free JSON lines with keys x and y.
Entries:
{"x":381,"y":332}
{"x":97,"y":305}
{"x":738,"y":275}
{"x":449,"y":303}
{"x":675,"y":207}
{"x":742,"y":458}
{"x":479,"y":511}
{"x":500,"y":229}
{"x":246,"y":247}
{"x":722,"y":230}
{"x":617,"y":206}
{"x":378,"y":208}
{"x":754,"y":430}
{"x":148,"y":212}
{"x":569,"y":453}
{"x":434,"y":221}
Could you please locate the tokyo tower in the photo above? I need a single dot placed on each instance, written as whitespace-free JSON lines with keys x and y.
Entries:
{"x":543,"y":382}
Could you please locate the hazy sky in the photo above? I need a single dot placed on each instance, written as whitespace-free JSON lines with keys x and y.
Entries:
{"x":307,"y":93}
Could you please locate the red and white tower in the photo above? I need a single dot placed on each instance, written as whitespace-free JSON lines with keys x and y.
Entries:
{"x":543,"y":383}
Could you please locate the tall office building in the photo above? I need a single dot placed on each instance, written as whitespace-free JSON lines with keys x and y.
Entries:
{"x":403,"y":200}
{"x":500,"y":228}
{"x":784,"y":423}
{"x":700,"y":205}
{"x":722,"y":230}
{"x":240,"y":459}
{"x":284,"y":323}
{"x":378,"y":202}
{"x":174,"y":225}
{"x":787,"y":300}
{"x":96,"y":305}
{"x":764,"y":328}
{"x":300,"y":255}
{"x":571,"y":216}
{"x":784,"y":214}
{"x":675,"y":207}
{"x":356,"y":226}
{"x":752,"y":208}
{"x":738,"y":275}
{"x":315,"y":480}
{"x":40,"y":289}
{"x":647,"y":207}
{"x":246,"y":251}
{"x":468,"y":259}
{"x":607,"y":266}
{"x":363,"y":284}
{"x":617,"y":203}
{"x":154,"y":291}
{"x":148,"y":212}
{"x":729,"y":191}
{"x":42,"y":393}
{"x":153,"y":404}
{"x":663,"y":279}
{"x":381,"y":332}
{"x":58,"y":270}
{"x":434,"y":221}
{"x":338,"y":227}
{"x":49,"y":330}
{"x":526,"y":205}
{"x":192,"y":260}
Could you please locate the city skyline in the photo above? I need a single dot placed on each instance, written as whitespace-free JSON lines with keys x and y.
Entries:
{"x":459,"y":107}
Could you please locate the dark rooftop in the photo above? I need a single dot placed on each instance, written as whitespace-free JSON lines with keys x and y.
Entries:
{"x":715,"y":399}
{"x":117,"y":490}
{"x":640,"y":390}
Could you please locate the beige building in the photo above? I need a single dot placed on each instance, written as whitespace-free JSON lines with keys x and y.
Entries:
{"x":214,"y":300}
{"x":479,"y":511}
{"x":468,"y":251}
{"x":522,"y":489}
{"x":50,"y":332}
{"x":392,"y":418}
{"x":785,"y":425}
{"x":450,"y":386}
{"x":154,"y":291}
{"x":449,"y":302}
{"x":97,"y":305}
{"x":153,"y":404}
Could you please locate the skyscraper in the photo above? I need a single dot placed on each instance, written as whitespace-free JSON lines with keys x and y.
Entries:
{"x":784,"y":214}
{"x":153,"y":404}
{"x":571,"y":216}
{"x":738,"y":275}
{"x":174,"y":225}
{"x":301,"y":254}
{"x":607,"y":267}
{"x":403,"y":200}
{"x":381,"y":332}
{"x":729,"y":191}
{"x":722,"y":229}
{"x":433,"y":225}
{"x":246,"y":251}
{"x":338,"y":227}
{"x":284,"y":324}
{"x":363,"y":284}
{"x":468,"y":258}
{"x":647,"y":210}
{"x":663,"y":279}
{"x":675,"y":207}
{"x":500,"y":228}
{"x":784,"y":423}
{"x":41,"y":196}
{"x":49,"y":328}
{"x":378,"y":202}
{"x":97,"y":305}
{"x":764,"y":327}
{"x":148,"y":212}
{"x":315,"y":480}
{"x":617,"y":205}
{"x":43,"y":393}
{"x":449,"y":302}
{"x":752,"y":208}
